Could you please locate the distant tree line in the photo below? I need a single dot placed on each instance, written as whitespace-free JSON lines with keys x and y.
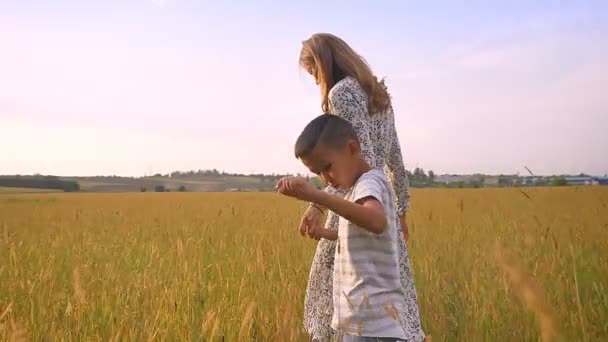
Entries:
{"x":420,"y":178}
{"x":216,"y":173}
{"x":39,"y":182}
{"x":162,"y":188}
{"x":417,"y":178}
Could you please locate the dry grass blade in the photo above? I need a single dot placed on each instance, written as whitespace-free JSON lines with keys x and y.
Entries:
{"x":530,"y":293}
{"x":578,"y":296}
{"x":208,"y":323}
{"x":79,"y":292}
{"x":17,"y":333}
{"x":69,"y":309}
{"x":5,"y":233}
{"x":179,"y":247}
{"x":247,"y":320}
{"x":6,"y":311}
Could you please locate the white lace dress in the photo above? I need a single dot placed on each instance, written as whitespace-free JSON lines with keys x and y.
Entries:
{"x":380,"y":147}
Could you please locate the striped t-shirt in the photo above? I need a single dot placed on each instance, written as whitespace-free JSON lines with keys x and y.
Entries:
{"x":368,"y":296}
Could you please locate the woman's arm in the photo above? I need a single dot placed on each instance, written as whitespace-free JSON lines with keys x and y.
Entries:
{"x":398,"y":176}
{"x":328,"y":234}
{"x":348,"y":101}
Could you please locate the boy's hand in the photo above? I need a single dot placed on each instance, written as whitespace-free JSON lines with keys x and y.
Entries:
{"x":296,"y":187}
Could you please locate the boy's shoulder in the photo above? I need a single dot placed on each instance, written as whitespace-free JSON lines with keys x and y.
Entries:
{"x":373,"y":183}
{"x":372,"y":177}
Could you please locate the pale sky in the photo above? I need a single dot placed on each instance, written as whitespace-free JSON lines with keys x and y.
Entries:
{"x":134,"y":87}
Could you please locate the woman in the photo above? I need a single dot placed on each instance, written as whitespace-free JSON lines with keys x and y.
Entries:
{"x":350,"y":90}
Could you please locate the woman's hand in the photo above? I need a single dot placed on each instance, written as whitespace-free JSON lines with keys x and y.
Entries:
{"x":311,"y":222}
{"x":404,"y":228}
{"x":300,"y":188}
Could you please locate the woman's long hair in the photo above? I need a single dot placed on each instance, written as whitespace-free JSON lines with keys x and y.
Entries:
{"x":329,"y":60}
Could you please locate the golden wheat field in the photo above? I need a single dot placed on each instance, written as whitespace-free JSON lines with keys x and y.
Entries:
{"x":490,"y":265}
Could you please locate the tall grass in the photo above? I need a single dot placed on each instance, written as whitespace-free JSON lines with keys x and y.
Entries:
{"x":204,"y":266}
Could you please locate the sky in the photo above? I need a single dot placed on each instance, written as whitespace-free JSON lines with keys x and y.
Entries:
{"x":136,"y":87}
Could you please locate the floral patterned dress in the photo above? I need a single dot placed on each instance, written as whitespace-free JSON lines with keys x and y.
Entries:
{"x":380,"y":147}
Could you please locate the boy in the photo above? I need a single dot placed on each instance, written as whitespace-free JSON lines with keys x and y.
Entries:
{"x":368,"y":297}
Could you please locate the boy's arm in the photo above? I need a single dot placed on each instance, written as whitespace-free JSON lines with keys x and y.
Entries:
{"x":366,"y":213}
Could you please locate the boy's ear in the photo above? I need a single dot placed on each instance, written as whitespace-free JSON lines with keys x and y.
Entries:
{"x":354,"y":147}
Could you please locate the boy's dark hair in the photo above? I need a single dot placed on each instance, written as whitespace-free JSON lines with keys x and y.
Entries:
{"x":327,"y":129}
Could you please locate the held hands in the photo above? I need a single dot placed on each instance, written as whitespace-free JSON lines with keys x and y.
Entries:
{"x":311,"y":222}
{"x":310,"y":225}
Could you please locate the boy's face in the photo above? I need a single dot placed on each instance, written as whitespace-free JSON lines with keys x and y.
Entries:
{"x":336,"y":166}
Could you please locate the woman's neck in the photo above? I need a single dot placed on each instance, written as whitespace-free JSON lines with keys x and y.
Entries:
{"x":338,"y":74}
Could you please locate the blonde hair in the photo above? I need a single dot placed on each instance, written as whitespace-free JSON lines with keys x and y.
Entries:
{"x":329,"y":60}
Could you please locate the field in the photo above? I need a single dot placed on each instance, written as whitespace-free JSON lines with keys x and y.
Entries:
{"x":490,"y":265}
